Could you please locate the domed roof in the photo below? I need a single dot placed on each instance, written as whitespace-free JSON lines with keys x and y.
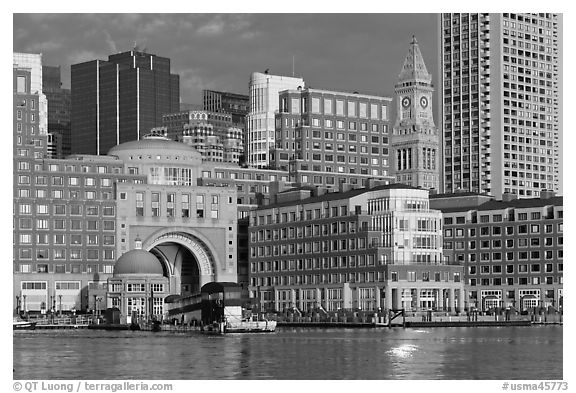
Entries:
{"x":153,"y":143}
{"x":138,"y":262}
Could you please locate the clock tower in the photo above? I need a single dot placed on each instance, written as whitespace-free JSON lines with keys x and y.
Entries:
{"x":415,"y":140}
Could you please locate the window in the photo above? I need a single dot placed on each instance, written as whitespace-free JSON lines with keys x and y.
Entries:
{"x":155,"y":197}
{"x":214,"y":206}
{"x":139,"y":204}
{"x":328,"y":110}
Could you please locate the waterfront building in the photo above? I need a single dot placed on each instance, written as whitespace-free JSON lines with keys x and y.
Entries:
{"x":415,"y":141}
{"x":321,"y":133}
{"x":500,"y":103}
{"x":59,"y":128}
{"x":192,"y":229}
{"x":511,"y":249}
{"x":74,"y":217}
{"x":263,"y":98}
{"x":138,"y":286}
{"x":368,"y":248}
{"x":120,"y":99}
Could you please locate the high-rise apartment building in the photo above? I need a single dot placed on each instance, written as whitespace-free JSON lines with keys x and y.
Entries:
{"x":120,"y":100}
{"x":263,"y":97}
{"x":500,"y":103}
{"x":59,"y":102}
{"x":320,"y":133}
{"x":415,"y":142}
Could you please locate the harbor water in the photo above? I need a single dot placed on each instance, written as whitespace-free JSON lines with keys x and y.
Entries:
{"x":293,"y":353}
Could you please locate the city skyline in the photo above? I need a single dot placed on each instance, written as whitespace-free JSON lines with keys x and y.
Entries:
{"x":361,"y":52}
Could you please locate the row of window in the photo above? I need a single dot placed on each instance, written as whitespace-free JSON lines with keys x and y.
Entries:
{"x":64,"y":194}
{"x":313,"y":263}
{"x":63,"y":253}
{"x":519,"y":268}
{"x":54,"y":167}
{"x":352,"y":159}
{"x":42,"y":180}
{"x":335,"y":278}
{"x":333,"y":228}
{"x":61,"y":239}
{"x":315,"y":247}
{"x":308,"y":214}
{"x":74,"y":268}
{"x":510,"y":256}
{"x":497,"y":281}
{"x":485,"y":218}
{"x":354,"y":108}
{"x":170,"y":205}
{"x":137,"y":287}
{"x":510,"y":243}
{"x":75,"y":225}
{"x":499,"y":230}
{"x":71,"y":209}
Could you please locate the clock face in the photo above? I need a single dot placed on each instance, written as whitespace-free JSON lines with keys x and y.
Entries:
{"x":423,"y":101}
{"x":405,"y":102}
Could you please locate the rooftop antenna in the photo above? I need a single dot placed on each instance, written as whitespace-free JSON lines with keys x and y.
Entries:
{"x":292,"y":66}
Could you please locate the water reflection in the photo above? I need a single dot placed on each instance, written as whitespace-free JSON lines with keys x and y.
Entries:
{"x":443,"y":353}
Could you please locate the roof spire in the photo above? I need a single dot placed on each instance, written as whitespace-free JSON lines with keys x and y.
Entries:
{"x":414,"y":67}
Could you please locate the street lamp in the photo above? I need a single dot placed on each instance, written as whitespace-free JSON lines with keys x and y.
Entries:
{"x":60,"y":298}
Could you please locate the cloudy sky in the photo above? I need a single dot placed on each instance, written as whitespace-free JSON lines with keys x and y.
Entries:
{"x":351,"y":52}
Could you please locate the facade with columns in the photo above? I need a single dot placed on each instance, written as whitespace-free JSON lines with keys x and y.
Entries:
{"x":367,"y":249}
{"x":415,"y":140}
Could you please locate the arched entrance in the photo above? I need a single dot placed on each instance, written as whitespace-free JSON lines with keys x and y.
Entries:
{"x":187,"y":260}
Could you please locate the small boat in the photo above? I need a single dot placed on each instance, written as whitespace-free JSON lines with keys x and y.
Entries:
{"x":250,"y":326}
{"x":18,"y":324}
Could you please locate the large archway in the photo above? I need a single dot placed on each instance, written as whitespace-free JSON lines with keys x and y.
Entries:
{"x":187,"y":260}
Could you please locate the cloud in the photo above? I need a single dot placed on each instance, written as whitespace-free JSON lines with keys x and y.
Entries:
{"x":42,"y":47}
{"x":213,"y":27}
{"x":84,"y":55}
{"x":223,"y":24}
{"x":110,"y":42}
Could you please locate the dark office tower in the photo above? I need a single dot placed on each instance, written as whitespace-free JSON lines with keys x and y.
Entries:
{"x":120,"y":100}
{"x":59,"y":130}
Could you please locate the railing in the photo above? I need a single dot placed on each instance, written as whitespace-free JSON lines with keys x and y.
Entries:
{"x":79,"y":320}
